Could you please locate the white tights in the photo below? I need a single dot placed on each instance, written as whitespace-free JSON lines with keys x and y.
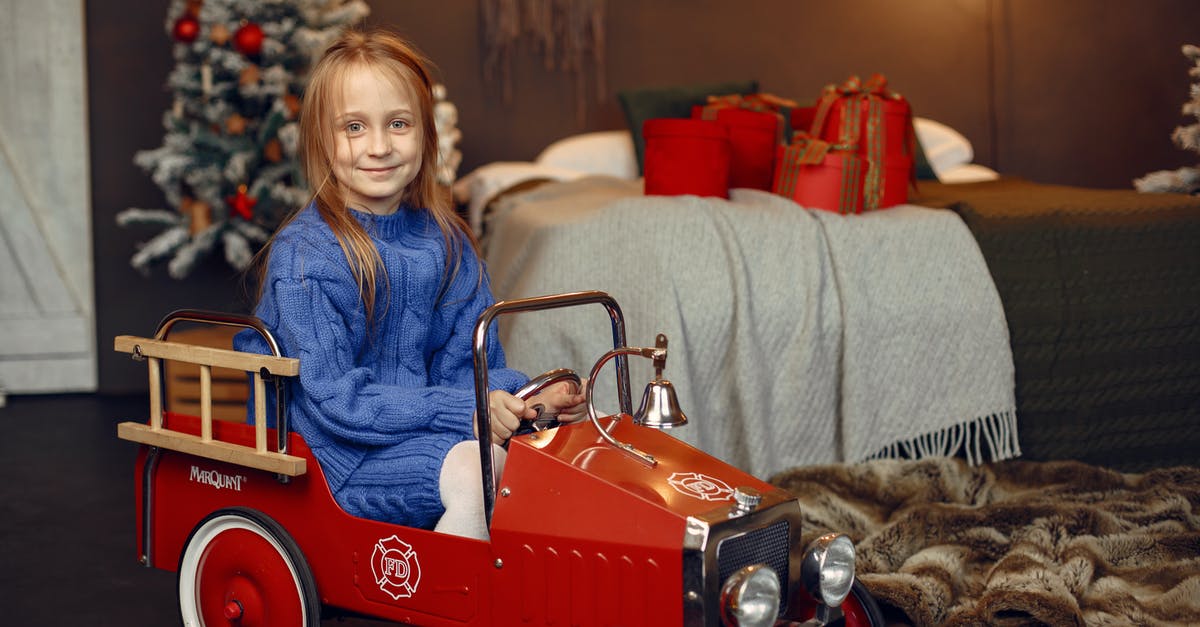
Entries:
{"x":462,"y":490}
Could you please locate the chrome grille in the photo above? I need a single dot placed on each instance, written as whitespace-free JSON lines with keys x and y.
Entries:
{"x":767,"y":545}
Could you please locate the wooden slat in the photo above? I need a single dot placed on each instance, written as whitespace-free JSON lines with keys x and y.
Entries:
{"x":249,"y":362}
{"x":156,"y":407}
{"x":260,"y":413}
{"x":206,"y":403}
{"x":269,"y":461}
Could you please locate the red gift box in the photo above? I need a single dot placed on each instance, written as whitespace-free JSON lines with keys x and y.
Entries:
{"x":802,"y":118}
{"x":818,"y":175}
{"x":895,"y":179}
{"x":757,"y":123}
{"x":878,"y":119}
{"x":877,"y":123}
{"x":761,"y":101}
{"x":753,"y":137}
{"x":686,"y":157}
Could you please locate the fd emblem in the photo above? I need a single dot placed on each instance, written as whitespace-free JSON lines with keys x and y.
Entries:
{"x":700,"y":486}
{"x":395,"y":566}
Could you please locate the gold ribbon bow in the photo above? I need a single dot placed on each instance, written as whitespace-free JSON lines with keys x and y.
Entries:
{"x":864,"y":99}
{"x":763,"y":102}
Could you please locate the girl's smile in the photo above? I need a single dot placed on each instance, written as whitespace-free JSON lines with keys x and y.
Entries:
{"x":379,"y":172}
{"x":377,"y":147}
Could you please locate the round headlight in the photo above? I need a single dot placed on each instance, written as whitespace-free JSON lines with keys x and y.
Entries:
{"x":828,"y":569}
{"x":750,"y":597}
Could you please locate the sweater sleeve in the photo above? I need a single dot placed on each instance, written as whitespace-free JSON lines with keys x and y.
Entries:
{"x":454,"y":364}
{"x":344,"y":399}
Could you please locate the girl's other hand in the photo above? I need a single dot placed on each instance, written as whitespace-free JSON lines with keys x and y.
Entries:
{"x":563,"y":399}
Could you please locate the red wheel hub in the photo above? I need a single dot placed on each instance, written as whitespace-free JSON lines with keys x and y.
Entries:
{"x":854,"y":613}
{"x":852,"y":610}
{"x":243,"y":580}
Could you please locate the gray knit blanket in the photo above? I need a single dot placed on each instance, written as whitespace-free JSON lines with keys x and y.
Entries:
{"x":797,"y":337}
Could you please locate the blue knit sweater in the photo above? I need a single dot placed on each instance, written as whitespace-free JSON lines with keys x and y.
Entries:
{"x":379,"y":407}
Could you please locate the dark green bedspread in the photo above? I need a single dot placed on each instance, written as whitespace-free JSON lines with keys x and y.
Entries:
{"x":1101,"y":290}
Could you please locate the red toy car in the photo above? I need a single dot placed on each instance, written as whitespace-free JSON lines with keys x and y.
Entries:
{"x":601,"y":522}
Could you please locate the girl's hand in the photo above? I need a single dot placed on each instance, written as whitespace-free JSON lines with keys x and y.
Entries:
{"x":506,"y":411}
{"x":563,"y":399}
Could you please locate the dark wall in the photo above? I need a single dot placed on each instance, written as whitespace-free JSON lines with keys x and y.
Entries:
{"x":1071,"y":92}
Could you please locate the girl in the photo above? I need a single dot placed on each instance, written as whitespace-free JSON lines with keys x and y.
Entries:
{"x":376,"y":286}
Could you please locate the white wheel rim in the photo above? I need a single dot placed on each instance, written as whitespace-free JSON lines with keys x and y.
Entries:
{"x":188,"y":580}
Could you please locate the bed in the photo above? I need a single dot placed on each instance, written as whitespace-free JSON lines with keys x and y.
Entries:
{"x":1096,"y":291}
{"x":995,"y":389}
{"x":749,"y":348}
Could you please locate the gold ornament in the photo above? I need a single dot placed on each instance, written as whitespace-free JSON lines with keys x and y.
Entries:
{"x":249,"y":75}
{"x":273,"y":151}
{"x":201,"y":216}
{"x":293,"y":105}
{"x":235,"y":124}
{"x":219,"y":34}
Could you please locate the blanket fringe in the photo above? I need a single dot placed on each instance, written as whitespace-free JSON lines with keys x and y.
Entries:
{"x":987,"y":438}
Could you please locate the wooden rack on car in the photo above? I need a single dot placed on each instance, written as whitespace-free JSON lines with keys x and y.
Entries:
{"x":259,"y":366}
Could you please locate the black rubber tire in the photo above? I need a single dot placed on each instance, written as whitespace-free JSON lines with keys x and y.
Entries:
{"x":868,"y":603}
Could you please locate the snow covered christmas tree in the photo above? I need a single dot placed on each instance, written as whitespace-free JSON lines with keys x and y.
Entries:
{"x":227,"y":165}
{"x":1184,"y":180}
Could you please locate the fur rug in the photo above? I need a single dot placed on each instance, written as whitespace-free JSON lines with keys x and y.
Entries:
{"x":1014,"y":543}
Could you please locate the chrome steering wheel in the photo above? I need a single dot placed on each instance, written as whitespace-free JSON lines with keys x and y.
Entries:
{"x":535,"y":385}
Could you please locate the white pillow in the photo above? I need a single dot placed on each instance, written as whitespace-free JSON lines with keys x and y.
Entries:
{"x":604,"y":152}
{"x":944,"y":147}
{"x":968,"y":173}
{"x":483,"y":184}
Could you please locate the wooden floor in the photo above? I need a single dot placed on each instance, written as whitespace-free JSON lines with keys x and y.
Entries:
{"x":67,"y":552}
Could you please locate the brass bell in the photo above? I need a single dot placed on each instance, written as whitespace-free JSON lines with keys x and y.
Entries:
{"x":660,"y":406}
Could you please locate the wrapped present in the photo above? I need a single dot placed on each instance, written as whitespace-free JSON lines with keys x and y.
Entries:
{"x":866,"y":113}
{"x":895,"y":179}
{"x":686,"y":156}
{"x":761,"y":101}
{"x":820,"y":175}
{"x":758,"y":123}
{"x":753,"y":137}
{"x":877,"y":122}
{"x":802,"y":118}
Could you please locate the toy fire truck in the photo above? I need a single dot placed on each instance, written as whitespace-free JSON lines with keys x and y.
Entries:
{"x":606,"y":521}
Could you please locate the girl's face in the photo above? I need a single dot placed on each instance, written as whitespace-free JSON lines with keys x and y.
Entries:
{"x":377,"y":140}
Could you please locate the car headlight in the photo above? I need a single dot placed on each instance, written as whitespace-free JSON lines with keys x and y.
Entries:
{"x":750,"y":597}
{"x":828,"y":569}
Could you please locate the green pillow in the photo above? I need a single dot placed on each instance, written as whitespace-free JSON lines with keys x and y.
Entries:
{"x":670,"y":102}
{"x":924,"y":170}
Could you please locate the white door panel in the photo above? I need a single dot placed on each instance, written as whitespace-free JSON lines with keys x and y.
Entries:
{"x":47,"y":322}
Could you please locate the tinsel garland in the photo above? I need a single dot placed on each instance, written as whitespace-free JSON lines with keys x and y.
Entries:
{"x":570,"y":34}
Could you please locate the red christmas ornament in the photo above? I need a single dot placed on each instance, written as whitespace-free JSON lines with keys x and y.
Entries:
{"x":186,"y":29}
{"x":248,"y":39}
{"x":242,"y":203}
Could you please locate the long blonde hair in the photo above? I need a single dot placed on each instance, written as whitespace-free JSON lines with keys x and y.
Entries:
{"x":399,"y":61}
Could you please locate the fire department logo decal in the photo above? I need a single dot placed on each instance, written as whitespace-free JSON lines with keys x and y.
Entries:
{"x":395,"y":566}
{"x":700,"y":486}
